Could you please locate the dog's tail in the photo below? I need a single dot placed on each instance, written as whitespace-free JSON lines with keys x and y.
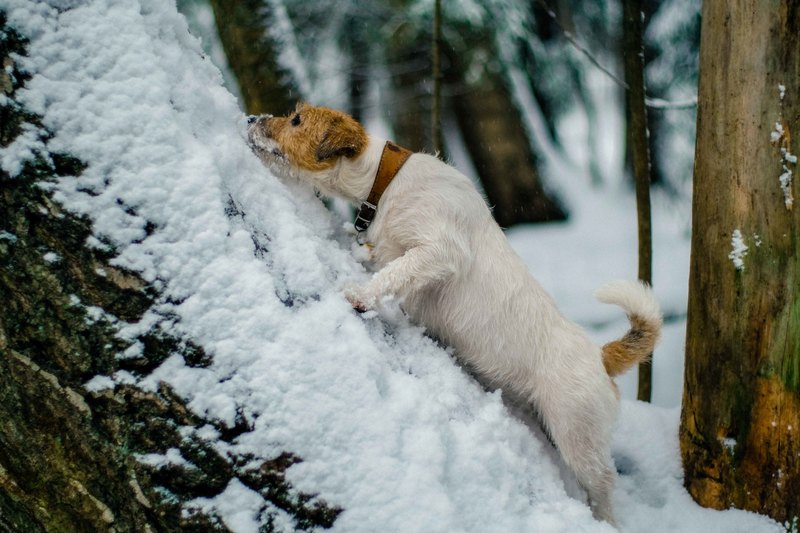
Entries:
{"x":637,"y":344}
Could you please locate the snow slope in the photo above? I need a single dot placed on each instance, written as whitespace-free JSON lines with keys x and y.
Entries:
{"x":388,"y":425}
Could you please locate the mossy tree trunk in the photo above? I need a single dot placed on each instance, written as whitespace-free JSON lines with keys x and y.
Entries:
{"x":68,"y":454}
{"x":66,"y":460}
{"x":740,"y":424}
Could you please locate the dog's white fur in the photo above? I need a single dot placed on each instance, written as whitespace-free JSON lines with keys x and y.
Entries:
{"x":442,"y":254}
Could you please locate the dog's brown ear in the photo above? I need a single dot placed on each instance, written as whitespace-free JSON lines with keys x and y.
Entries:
{"x":344,"y":137}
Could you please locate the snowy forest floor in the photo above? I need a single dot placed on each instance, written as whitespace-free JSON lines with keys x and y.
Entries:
{"x":388,"y":425}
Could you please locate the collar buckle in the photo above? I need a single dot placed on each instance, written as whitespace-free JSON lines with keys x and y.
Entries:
{"x":364,"y":216}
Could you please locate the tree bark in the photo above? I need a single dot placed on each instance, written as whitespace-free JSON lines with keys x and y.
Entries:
{"x":640,"y":156}
{"x":67,"y":454}
{"x":740,"y":423}
{"x":243,"y":29}
{"x":358,"y":47}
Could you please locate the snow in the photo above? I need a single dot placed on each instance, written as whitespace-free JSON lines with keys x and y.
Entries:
{"x":23,"y":149}
{"x":99,"y":383}
{"x":785,"y":180}
{"x":51,"y":257}
{"x":171,"y":457}
{"x":781,"y":137}
{"x":738,"y":249}
{"x":777,"y":134}
{"x":9,"y":237}
{"x":389,"y":427}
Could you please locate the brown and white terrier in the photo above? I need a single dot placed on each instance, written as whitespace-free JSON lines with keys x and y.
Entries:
{"x":442,"y":255}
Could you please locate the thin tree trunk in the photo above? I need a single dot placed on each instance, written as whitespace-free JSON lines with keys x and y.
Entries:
{"x":637,"y":115}
{"x":436,"y":111}
{"x":740,"y":424}
{"x":358,"y":47}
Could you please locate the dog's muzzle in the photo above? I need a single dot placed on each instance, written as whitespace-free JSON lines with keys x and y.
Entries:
{"x":252,"y":119}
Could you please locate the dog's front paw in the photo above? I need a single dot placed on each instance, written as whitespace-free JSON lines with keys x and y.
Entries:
{"x":359,"y":299}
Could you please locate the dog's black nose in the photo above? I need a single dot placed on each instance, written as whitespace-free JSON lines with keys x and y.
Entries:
{"x":251,"y":119}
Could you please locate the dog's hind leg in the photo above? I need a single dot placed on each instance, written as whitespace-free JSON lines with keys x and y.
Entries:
{"x":596,"y":474}
{"x":582,"y":434}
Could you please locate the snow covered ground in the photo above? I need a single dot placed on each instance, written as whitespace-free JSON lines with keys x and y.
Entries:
{"x":389,"y":427}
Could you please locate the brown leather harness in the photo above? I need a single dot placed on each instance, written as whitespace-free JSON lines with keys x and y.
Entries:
{"x":392,"y":160}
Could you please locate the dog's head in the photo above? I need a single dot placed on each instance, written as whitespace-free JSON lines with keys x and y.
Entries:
{"x":306,"y":143}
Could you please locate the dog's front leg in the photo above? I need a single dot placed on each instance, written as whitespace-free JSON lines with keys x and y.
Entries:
{"x":417,"y":269}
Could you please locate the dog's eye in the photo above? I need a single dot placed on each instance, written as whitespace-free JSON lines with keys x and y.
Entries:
{"x":296,"y":120}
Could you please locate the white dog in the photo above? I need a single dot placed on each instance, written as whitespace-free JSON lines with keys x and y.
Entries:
{"x":444,"y":257}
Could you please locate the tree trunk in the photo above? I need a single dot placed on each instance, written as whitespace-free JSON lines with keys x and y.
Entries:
{"x":358,"y":47}
{"x":409,"y":64}
{"x":500,"y":149}
{"x":436,"y":74}
{"x":67,"y":454}
{"x":66,"y":459}
{"x":740,"y":424}
{"x":243,"y":29}
{"x":495,"y":136}
{"x":640,"y":156}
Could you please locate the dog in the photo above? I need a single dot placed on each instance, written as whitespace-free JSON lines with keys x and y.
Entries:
{"x":441,"y":254}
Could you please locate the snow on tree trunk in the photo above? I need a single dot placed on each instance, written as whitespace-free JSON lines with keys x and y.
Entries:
{"x":740,"y":425}
{"x":69,"y":435}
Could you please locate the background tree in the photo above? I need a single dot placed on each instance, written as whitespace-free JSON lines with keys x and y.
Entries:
{"x":386,"y":47}
{"x":253,"y":54}
{"x":436,"y":75}
{"x":491,"y":125}
{"x":639,"y":149}
{"x":740,"y":424}
{"x":671,"y":42}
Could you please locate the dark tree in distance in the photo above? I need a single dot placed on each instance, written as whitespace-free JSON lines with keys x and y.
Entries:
{"x":640,"y":155}
{"x":252,"y":55}
{"x":495,"y":136}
